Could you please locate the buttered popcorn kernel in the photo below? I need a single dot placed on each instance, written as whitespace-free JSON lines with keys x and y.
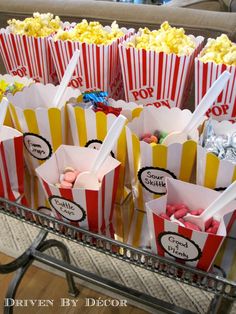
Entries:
{"x":91,"y":33}
{"x":220,"y":50}
{"x":40,"y":25}
{"x":167,"y":39}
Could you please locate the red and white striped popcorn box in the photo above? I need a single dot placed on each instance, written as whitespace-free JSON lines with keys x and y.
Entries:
{"x":11,"y":163}
{"x":150,"y":165}
{"x":98,"y":67}
{"x":11,"y":80}
{"x":89,"y":209}
{"x":224,"y":108}
{"x":213,"y":172}
{"x":44,"y":127}
{"x":194,"y":248}
{"x":27,"y":56}
{"x":158,"y":79}
{"x":89,"y":128}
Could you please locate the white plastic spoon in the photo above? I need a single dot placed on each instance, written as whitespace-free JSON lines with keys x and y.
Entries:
{"x":66,"y":79}
{"x":216,"y":207}
{"x":206,"y":102}
{"x":3,"y":110}
{"x":89,"y":179}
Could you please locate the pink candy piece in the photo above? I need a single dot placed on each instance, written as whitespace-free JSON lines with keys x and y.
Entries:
{"x":163,"y":215}
{"x":170,"y":209}
{"x":215,"y":223}
{"x":180,"y":206}
{"x":200,"y":211}
{"x":147,"y":140}
{"x":66,"y":185}
{"x":194,"y":212}
{"x":208,"y":223}
{"x":180,"y":213}
{"x":191,"y":226}
{"x":146,"y":135}
{"x":69,"y":176}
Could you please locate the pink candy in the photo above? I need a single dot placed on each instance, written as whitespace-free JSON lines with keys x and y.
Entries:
{"x":67,"y":178}
{"x":179,"y":211}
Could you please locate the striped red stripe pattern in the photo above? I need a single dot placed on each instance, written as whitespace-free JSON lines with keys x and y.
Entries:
{"x":11,"y":168}
{"x":209,"y":245}
{"x":224,"y":107}
{"x":97,"y":204}
{"x":168,"y":75}
{"x":27,"y":56}
{"x":98,"y":66}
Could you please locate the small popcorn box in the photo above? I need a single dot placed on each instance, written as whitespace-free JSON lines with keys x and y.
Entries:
{"x":224,"y":108}
{"x":213,"y":172}
{"x":11,"y":80}
{"x":194,"y":248}
{"x":27,"y":56}
{"x":11,"y":164}
{"x":89,"y":209}
{"x":44,"y":127}
{"x":89,"y":128}
{"x":149,"y":165}
{"x":158,"y":79}
{"x":98,"y":67}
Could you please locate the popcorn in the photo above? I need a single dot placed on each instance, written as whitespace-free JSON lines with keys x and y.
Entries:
{"x":167,"y":39}
{"x":91,"y":33}
{"x":220,"y":50}
{"x":40,"y":25}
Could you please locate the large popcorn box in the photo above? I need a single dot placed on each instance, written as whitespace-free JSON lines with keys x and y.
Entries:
{"x":11,"y":164}
{"x":150,"y":165}
{"x":213,"y":172}
{"x":89,"y":209}
{"x":98,"y":67}
{"x":44,"y":127}
{"x":90,"y":128}
{"x":11,"y":80}
{"x":27,"y":56}
{"x":158,"y":79}
{"x":168,"y":239}
{"x":224,"y":108}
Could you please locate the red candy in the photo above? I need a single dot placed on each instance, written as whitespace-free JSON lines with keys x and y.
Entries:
{"x":179,"y":211}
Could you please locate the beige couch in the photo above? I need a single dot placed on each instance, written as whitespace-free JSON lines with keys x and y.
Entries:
{"x":198,"y":22}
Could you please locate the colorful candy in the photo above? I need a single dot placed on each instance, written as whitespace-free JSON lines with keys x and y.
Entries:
{"x":167,"y":39}
{"x":179,"y":211}
{"x":155,"y":138}
{"x":6,"y":88}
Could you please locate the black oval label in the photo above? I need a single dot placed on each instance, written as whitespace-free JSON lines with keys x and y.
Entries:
{"x":96,"y":144}
{"x":179,"y":246}
{"x":37,"y":146}
{"x":153,"y":179}
{"x":68,"y":209}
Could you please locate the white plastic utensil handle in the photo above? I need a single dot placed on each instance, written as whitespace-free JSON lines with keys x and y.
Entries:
{"x":222,"y":200}
{"x":3,"y":110}
{"x":66,"y":79}
{"x":207,"y":101}
{"x":108,"y":143}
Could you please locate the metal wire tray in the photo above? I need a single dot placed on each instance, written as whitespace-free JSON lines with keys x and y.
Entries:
{"x":224,"y":290}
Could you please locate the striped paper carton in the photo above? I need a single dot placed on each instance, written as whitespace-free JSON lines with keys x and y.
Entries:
{"x":224,"y":108}
{"x":213,"y":172}
{"x":156,"y":78}
{"x":11,"y":164}
{"x":98,"y":67}
{"x":27,"y":56}
{"x":90,"y":129}
{"x":44,"y":127}
{"x":150,"y":165}
{"x":168,"y":239}
{"x":89,"y":209}
{"x":11,"y":80}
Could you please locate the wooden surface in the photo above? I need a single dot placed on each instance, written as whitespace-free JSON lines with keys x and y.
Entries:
{"x":40,"y":284}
